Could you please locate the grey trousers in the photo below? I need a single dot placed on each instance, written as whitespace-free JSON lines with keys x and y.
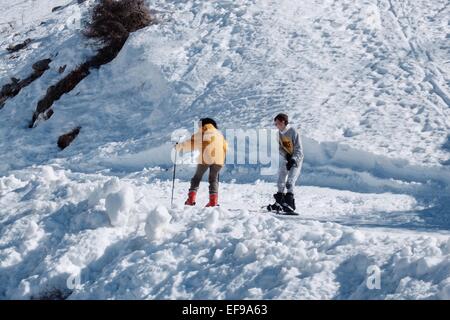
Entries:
{"x":213,"y":178}
{"x":287,"y":179}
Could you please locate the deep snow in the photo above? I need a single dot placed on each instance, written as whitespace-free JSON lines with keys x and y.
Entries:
{"x":55,"y":227}
{"x":368,"y":83}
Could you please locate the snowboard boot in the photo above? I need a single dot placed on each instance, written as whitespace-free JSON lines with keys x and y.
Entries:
{"x":213,"y":200}
{"x":191,"y":198}
{"x":277,"y":206}
{"x":289,"y":203}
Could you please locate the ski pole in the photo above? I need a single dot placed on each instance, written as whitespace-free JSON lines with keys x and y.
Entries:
{"x":173,"y":177}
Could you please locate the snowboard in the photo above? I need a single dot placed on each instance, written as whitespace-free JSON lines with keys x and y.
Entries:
{"x":285,"y":213}
{"x":276,"y":213}
{"x":279,"y":212}
{"x":282,"y":213}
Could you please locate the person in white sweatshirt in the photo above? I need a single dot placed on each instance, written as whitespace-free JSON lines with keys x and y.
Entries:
{"x":291,"y":160}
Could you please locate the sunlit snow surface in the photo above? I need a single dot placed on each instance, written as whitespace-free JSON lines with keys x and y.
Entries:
{"x":366,"y":81}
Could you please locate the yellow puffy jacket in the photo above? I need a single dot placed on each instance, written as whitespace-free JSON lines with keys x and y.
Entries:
{"x":211,"y":144}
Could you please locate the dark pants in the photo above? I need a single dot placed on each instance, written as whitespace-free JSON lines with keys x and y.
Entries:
{"x":213,"y":179}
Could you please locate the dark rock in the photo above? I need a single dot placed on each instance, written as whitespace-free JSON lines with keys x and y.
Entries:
{"x":62,"y":69}
{"x":63,"y":86}
{"x":17,"y":47}
{"x":10,"y":90}
{"x":2,"y":102}
{"x":41,"y":65}
{"x":49,"y":114}
{"x":66,"y":139}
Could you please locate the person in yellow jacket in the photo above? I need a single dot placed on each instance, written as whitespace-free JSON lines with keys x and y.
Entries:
{"x":213,"y":148}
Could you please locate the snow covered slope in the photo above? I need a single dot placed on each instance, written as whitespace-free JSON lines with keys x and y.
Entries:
{"x":372,"y":75}
{"x":367,"y":82}
{"x":58,"y":242}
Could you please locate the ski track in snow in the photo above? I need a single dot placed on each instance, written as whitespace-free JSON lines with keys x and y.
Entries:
{"x":367,"y":82}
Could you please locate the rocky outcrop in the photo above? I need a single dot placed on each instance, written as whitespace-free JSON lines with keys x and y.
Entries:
{"x":13,"y":88}
{"x":66,"y":139}
{"x":112,"y":22}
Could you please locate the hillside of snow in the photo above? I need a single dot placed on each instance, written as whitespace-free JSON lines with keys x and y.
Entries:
{"x":368,"y":84}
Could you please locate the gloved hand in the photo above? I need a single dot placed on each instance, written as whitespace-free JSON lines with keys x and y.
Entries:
{"x":291,"y":163}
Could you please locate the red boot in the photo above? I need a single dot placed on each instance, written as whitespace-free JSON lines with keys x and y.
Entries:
{"x":191,"y":198}
{"x":213,"y":200}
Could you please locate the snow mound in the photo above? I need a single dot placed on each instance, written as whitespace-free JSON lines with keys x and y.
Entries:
{"x":110,"y":186}
{"x":119,"y":205}
{"x":158,"y":223}
{"x":240,"y":251}
{"x":53,"y":244}
{"x":212,"y":221}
